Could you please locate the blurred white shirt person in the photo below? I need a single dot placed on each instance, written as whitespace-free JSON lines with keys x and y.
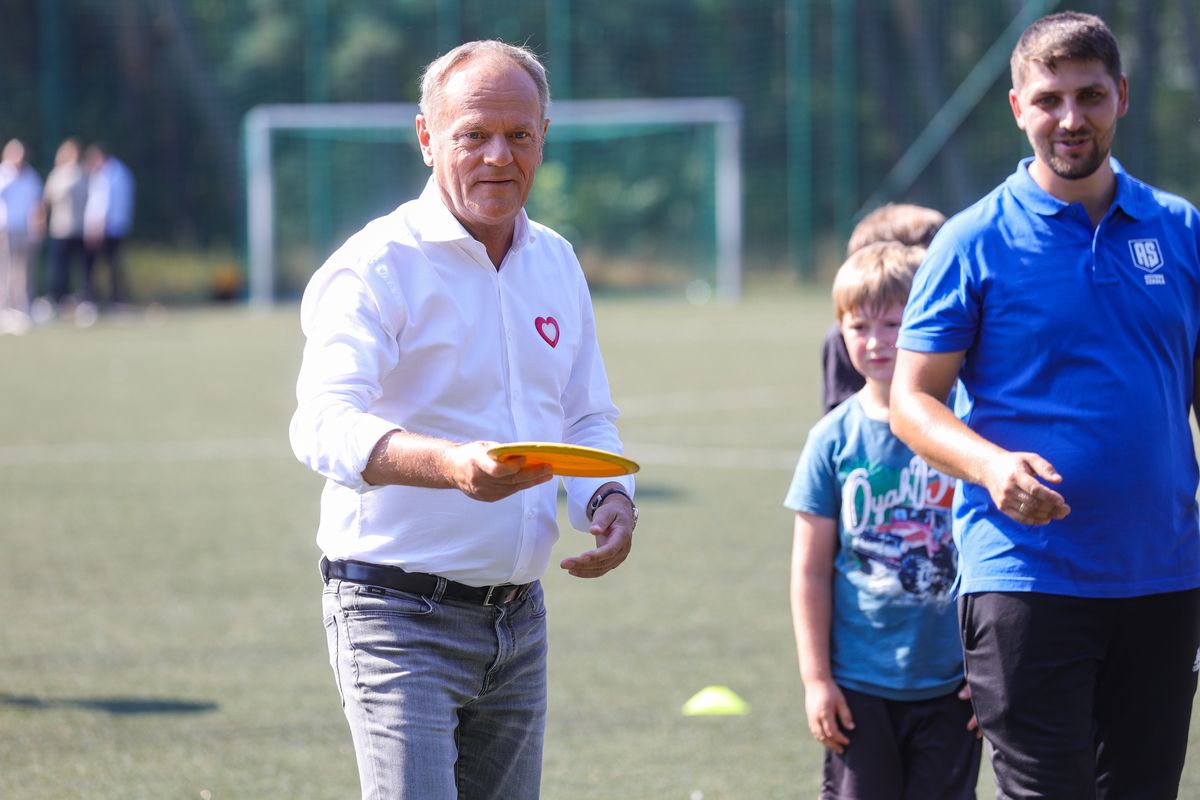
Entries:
{"x":65,"y":197}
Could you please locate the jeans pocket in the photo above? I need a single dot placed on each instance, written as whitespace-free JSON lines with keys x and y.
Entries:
{"x":376,"y":601}
{"x":537,"y":602}
{"x":332,"y":638}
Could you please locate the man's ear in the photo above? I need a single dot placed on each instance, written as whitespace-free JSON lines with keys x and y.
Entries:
{"x":1122,"y":96}
{"x":1014,"y":102}
{"x":425,"y":140}
{"x":542,"y":143}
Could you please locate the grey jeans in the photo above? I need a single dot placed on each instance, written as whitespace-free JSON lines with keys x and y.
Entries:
{"x":445,"y":699}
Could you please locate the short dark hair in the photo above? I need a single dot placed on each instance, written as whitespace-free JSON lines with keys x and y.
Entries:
{"x":896,"y":222}
{"x":1066,"y":36}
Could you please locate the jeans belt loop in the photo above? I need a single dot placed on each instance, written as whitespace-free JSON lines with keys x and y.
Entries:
{"x":438,"y":590}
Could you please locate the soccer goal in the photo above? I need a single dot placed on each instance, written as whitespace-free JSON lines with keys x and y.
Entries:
{"x":648,"y":191}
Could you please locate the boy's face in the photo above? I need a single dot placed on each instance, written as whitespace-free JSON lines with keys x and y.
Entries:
{"x":870,"y":335}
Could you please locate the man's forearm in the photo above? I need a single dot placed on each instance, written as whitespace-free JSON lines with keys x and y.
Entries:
{"x":932,"y":430}
{"x":409,"y":459}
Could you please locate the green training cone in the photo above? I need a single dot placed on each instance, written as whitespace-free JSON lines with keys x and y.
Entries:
{"x":713,"y":701}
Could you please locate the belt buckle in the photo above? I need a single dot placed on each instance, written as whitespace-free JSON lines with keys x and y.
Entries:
{"x":500,"y":593}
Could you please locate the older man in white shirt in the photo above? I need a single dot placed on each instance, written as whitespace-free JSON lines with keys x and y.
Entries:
{"x":449,"y":325}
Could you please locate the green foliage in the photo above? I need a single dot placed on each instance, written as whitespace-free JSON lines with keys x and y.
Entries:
{"x":265,"y":51}
{"x":166,"y":83}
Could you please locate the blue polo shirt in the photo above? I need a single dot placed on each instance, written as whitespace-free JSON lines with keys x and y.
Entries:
{"x":1080,"y":346}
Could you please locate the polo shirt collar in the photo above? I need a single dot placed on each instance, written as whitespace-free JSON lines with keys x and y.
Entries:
{"x":1128,"y":198}
{"x":439,"y":225}
{"x":1132,"y":197}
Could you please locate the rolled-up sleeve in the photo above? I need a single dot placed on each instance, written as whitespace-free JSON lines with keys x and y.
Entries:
{"x":348,"y":349}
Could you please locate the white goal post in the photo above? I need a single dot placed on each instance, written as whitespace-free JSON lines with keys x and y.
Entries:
{"x":724,"y":114}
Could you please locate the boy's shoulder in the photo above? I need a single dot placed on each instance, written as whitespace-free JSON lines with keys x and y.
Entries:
{"x":847,"y":426}
{"x":847,"y":432}
{"x":845,"y":416}
{"x":847,"y":419}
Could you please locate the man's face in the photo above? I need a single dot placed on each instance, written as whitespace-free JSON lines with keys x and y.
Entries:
{"x":1070,"y":115}
{"x":484,"y":143}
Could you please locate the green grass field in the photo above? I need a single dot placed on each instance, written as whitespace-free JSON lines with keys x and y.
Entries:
{"x":162,"y":635}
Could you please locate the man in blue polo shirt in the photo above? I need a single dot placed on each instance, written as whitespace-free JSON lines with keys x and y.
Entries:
{"x":1068,"y":301}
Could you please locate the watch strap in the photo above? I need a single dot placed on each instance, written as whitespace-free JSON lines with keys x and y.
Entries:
{"x":599,"y":499}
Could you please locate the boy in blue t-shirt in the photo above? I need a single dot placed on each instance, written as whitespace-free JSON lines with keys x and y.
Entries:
{"x":873,"y":569}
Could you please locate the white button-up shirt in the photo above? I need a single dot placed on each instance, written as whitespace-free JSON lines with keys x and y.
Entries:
{"x":409,"y":325}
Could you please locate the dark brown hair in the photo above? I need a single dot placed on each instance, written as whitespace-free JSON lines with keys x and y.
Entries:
{"x":1067,"y":36}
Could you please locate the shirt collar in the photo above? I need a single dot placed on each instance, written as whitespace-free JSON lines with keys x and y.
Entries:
{"x":1128,"y":199}
{"x":1131,"y":195}
{"x":439,"y":225}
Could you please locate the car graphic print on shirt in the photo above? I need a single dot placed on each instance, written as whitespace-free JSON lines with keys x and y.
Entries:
{"x":547,"y":328}
{"x":897,"y":526}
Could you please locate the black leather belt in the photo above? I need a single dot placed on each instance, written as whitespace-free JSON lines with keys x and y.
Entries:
{"x":421,"y":583}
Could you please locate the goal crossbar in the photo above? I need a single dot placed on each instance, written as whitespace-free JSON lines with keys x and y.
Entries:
{"x":261,"y":122}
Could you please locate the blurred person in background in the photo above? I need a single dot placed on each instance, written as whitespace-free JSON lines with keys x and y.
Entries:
{"x":107,"y":221}
{"x":21,"y":224}
{"x":66,"y":198}
{"x":436,"y":331}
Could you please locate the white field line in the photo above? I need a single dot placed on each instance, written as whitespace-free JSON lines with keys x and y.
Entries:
{"x":648,"y":455}
{"x":646,"y":406}
{"x":708,"y":458}
{"x":728,"y":399}
{"x":158,"y":452}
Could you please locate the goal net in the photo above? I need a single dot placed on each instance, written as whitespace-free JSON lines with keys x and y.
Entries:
{"x":649,"y":192}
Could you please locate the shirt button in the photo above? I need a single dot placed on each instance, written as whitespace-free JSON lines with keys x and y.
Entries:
{"x":530,"y":514}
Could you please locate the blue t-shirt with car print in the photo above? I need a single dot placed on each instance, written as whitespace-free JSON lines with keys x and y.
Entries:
{"x":894,"y":629}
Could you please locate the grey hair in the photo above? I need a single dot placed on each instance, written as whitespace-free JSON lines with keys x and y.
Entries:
{"x":433,"y":80}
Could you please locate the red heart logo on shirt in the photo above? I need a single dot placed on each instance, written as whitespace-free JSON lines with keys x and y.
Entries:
{"x":547,"y":327}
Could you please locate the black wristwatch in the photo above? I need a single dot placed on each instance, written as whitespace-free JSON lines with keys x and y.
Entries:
{"x":599,"y":499}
